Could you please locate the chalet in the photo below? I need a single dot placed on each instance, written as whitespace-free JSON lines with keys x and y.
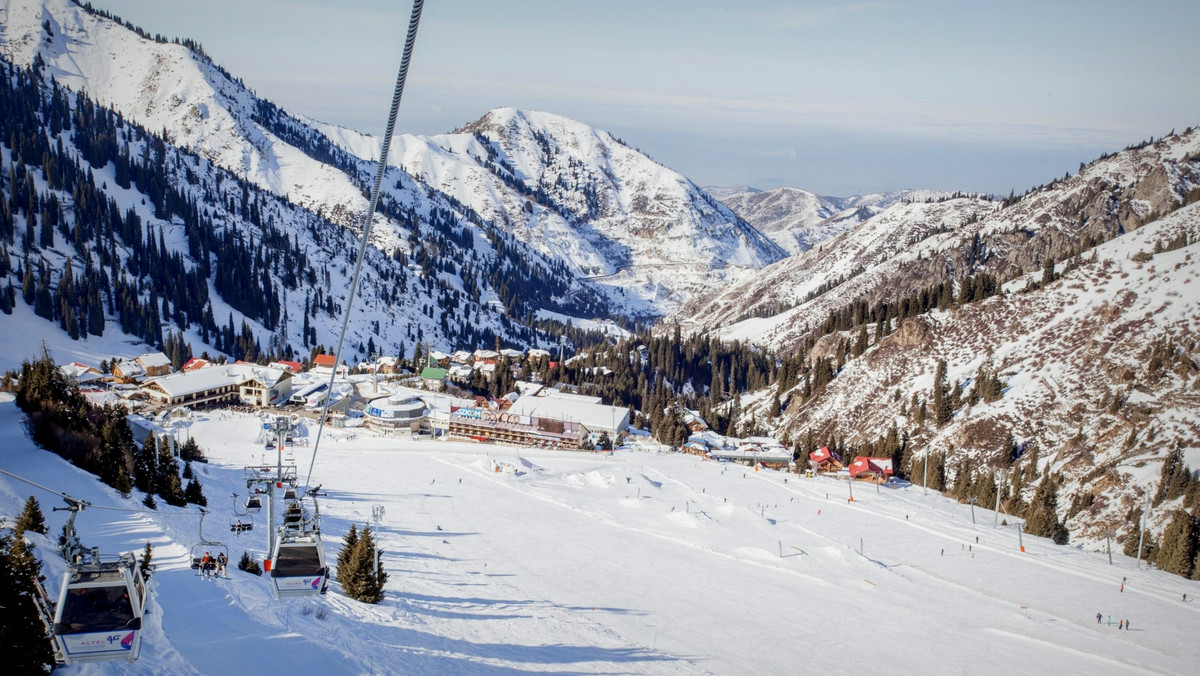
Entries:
{"x":775,"y":457}
{"x":825,"y":460}
{"x":232,"y":384}
{"x":875,"y":470}
{"x":693,"y":421}
{"x":440,"y":358}
{"x":127,"y":371}
{"x":514,"y":356}
{"x":81,"y":373}
{"x":538,"y":354}
{"x":587,"y":411}
{"x":486,"y":357}
{"x":195,"y":364}
{"x":433,"y":378}
{"x":462,"y":357}
{"x":387,"y":365}
{"x":155,"y":363}
{"x":323,"y":365}
{"x":460,"y":373}
{"x":292,"y":367}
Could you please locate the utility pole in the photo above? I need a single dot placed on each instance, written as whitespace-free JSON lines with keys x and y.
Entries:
{"x":850,"y":484}
{"x":972,"y":501}
{"x":1108,"y":545}
{"x":377,"y":512}
{"x":1142,"y":530}
{"x":996,"y":514}
{"x":925,"y":479}
{"x":1020,"y":540}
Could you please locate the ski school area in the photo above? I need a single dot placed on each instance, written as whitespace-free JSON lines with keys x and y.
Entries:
{"x":510,"y":560}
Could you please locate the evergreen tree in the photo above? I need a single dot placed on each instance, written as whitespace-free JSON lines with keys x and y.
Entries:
{"x":22,"y":639}
{"x":249,"y":565}
{"x":168,"y":483}
{"x":31,"y":518}
{"x":1175,"y":477}
{"x":1178,"y":552}
{"x":145,"y":465}
{"x":943,"y":407}
{"x":144,"y":565}
{"x":1042,"y":517}
{"x":343,"y":557}
{"x":194,"y":493}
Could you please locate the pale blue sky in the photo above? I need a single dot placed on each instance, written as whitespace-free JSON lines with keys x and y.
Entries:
{"x":832,"y":97}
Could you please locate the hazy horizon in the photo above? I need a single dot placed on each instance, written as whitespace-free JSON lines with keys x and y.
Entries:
{"x":833,"y":98}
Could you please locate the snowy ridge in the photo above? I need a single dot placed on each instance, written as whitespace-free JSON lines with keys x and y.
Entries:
{"x":1065,"y":353}
{"x":165,"y":86}
{"x":798,"y":220}
{"x":578,"y":195}
{"x":910,"y":246}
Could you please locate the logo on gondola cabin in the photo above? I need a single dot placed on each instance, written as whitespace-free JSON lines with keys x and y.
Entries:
{"x":316,"y":583}
{"x":127,"y":642}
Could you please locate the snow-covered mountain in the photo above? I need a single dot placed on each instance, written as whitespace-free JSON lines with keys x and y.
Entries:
{"x":646,"y":236}
{"x":798,"y":220}
{"x":1076,"y":296}
{"x":122,"y":230}
{"x":581,"y":196}
{"x":913,"y":244}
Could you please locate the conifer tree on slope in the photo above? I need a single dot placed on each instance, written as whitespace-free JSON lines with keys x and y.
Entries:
{"x":31,"y":518}
{"x":1178,"y":552}
{"x":22,"y":639}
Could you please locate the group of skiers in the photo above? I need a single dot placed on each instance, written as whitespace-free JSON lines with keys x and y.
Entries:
{"x":213,"y":567}
{"x":1121,"y":624}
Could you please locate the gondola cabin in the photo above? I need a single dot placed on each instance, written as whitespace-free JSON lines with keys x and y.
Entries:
{"x":99,"y":613}
{"x":298,"y":566}
{"x":253,"y":503}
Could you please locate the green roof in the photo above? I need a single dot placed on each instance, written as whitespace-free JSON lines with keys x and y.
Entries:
{"x":433,"y":373}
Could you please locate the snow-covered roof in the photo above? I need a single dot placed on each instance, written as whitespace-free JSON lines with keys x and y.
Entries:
{"x":536,"y":352}
{"x":293,"y":366}
{"x":195,"y":364}
{"x":578,"y":409}
{"x":182,"y":384}
{"x":511,"y":353}
{"x":438,"y":356}
{"x":559,"y":394}
{"x":154,"y":360}
{"x":128,"y":367}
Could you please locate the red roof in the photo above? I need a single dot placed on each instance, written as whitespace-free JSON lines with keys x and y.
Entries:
{"x":195,"y":364}
{"x":822,"y":454}
{"x":324,"y":360}
{"x":293,"y":366}
{"x":880,"y":466}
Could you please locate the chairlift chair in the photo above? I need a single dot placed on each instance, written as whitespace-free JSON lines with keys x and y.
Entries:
{"x":212,"y":547}
{"x":253,"y":503}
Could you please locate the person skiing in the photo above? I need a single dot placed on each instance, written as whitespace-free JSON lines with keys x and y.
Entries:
{"x":222,"y":562}
{"x":1126,"y":625}
{"x":1120,"y":624}
{"x":1098,"y":616}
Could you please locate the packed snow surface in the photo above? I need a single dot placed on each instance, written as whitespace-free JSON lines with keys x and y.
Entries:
{"x":505,"y":560}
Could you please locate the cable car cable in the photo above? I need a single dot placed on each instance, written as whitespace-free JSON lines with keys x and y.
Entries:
{"x":368,"y":219}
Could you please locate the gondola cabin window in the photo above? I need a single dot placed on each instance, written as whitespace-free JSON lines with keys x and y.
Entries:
{"x":97,"y":609}
{"x":297,"y":561}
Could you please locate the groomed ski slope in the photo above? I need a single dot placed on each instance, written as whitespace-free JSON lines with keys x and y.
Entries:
{"x":634,"y":563}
